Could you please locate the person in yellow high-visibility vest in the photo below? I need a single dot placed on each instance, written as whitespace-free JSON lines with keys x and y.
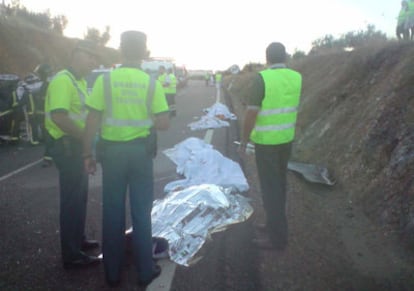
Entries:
{"x":270,"y":124}
{"x":218,"y":77}
{"x":171,"y":92}
{"x":127,"y":103}
{"x":64,"y":122}
{"x":402,"y":31}
{"x":409,"y":22}
{"x":169,"y":83}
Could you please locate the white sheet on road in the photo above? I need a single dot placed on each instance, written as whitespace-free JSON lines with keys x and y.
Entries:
{"x":200,"y":163}
{"x":215,"y":117}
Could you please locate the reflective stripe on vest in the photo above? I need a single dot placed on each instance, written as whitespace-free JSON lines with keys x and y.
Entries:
{"x":73,"y":116}
{"x":278,"y":111}
{"x":276,"y":119}
{"x":275,"y":127}
{"x":117,"y":122}
{"x":75,"y":84}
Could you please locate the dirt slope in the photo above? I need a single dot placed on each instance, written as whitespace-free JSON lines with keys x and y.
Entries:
{"x":357,"y":118}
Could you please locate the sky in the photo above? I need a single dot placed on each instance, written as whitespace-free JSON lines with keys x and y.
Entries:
{"x":216,"y":34}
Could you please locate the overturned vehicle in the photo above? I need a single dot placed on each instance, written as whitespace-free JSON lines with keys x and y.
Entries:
{"x":21,"y":108}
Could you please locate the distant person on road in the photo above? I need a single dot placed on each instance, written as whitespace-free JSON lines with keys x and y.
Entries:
{"x":409,"y":23}
{"x":218,"y":77}
{"x":167,"y":81}
{"x":127,"y":103}
{"x":64,"y":121}
{"x":402,"y":31}
{"x":207,"y":78}
{"x":212,"y":79}
{"x":171,"y":92}
{"x":270,"y":124}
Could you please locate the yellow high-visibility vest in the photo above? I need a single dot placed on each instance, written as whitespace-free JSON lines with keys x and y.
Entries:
{"x":276,"y":120}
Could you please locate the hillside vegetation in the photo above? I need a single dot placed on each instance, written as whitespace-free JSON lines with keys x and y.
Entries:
{"x":357,"y":118}
{"x":23,"y":46}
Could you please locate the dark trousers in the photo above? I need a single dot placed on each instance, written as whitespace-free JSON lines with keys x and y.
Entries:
{"x":73,"y":182}
{"x":127,"y":167}
{"x":171,"y":103}
{"x":272,"y":163}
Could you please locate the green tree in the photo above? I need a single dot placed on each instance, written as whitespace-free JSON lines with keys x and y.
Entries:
{"x":298,"y":54}
{"x":350,"y":39}
{"x":93,"y":34}
{"x":59,"y":24}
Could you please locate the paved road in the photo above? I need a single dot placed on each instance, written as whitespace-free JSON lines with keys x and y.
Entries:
{"x":29,"y":246}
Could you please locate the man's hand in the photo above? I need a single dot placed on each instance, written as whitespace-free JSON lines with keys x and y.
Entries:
{"x":90,"y":165}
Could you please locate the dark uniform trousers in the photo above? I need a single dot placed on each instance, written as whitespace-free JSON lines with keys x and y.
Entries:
{"x":127,"y":166}
{"x":271,"y":161}
{"x":73,"y":182}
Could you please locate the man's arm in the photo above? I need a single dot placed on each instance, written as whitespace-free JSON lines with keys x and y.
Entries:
{"x":62,"y":120}
{"x":93,"y":120}
{"x":162,"y":121}
{"x":249,"y":123}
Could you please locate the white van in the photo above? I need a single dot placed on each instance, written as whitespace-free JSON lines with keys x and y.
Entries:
{"x":152,"y":66}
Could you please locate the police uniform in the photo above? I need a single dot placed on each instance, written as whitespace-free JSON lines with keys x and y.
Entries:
{"x":170,"y":92}
{"x":121,"y":96}
{"x":276,"y":93}
{"x":67,"y":93}
{"x":169,"y":82}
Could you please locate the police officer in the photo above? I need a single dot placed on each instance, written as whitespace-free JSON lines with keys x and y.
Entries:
{"x":64,"y":121}
{"x":270,"y":124}
{"x":171,"y":91}
{"x":165,"y":78}
{"x":403,"y":30}
{"x":218,"y":77}
{"x":126,"y":103}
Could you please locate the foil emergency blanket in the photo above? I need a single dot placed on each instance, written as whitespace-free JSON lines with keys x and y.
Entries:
{"x":199,"y":163}
{"x":188,"y":217}
{"x":215,"y":117}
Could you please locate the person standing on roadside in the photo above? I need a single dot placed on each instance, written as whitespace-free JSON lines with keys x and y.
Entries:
{"x":171,"y":91}
{"x":409,"y":22}
{"x":402,"y":31}
{"x":64,"y":121}
{"x":218,"y":77}
{"x":126,"y":103}
{"x":270,"y":124}
{"x":164,"y":78}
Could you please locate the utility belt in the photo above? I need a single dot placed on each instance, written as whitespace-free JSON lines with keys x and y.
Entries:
{"x":67,"y":146}
{"x":150,"y":142}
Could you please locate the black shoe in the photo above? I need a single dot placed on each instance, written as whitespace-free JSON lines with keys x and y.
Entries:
{"x":89,"y":245}
{"x":86,"y":261}
{"x":47,"y":163}
{"x":156,"y":273}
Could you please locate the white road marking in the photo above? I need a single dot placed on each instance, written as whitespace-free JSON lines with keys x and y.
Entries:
{"x":163,"y":282}
{"x":20,"y":170}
